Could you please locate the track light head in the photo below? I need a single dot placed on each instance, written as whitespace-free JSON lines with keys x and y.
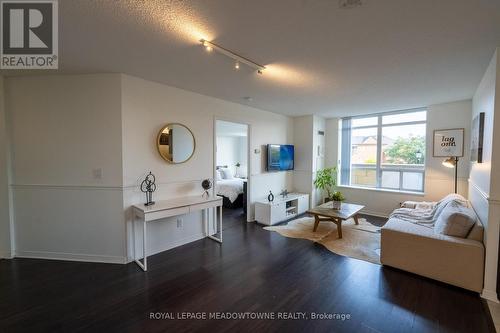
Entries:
{"x":207,"y":45}
{"x":211,"y":46}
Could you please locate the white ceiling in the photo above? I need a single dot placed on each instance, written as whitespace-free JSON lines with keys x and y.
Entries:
{"x":384,"y":55}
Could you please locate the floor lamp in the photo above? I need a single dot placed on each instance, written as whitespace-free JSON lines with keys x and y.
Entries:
{"x":452,"y":162}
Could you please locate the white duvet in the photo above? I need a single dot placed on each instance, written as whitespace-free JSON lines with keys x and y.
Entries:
{"x":230,"y":188}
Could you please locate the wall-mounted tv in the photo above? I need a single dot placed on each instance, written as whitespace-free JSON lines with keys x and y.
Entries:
{"x":280,"y":157}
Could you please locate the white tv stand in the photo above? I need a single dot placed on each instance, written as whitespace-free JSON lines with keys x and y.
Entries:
{"x":281,"y":209}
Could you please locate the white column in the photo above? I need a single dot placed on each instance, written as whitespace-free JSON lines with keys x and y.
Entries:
{"x":7,"y":243}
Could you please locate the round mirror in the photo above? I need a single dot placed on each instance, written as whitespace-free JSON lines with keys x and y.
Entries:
{"x":175,"y":143}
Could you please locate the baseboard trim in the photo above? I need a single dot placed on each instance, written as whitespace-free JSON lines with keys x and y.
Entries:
{"x":5,"y":255}
{"x":490,"y":295}
{"x":176,"y":243}
{"x":70,"y":257}
{"x":372,"y":213}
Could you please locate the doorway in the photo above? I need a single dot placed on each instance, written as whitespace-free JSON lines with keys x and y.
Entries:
{"x":232,"y":166}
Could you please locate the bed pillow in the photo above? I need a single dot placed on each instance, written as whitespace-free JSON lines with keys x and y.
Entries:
{"x":226,"y":173}
{"x":455,"y":220}
{"x":218,"y":175}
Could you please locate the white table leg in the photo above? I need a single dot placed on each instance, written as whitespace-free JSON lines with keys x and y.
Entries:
{"x":214,"y":220}
{"x":133,"y":237}
{"x":217,"y":222}
{"x":220,"y":222}
{"x":144,"y":248}
{"x":143,"y":266}
{"x":207,"y":221}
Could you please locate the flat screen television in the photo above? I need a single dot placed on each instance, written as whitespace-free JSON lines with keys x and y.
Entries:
{"x":280,"y":157}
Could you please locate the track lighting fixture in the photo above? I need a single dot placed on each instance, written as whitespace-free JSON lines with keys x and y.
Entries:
{"x":209,"y":46}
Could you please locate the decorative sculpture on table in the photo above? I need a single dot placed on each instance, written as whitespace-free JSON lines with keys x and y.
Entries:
{"x":270,"y":197}
{"x":148,"y":186}
{"x":207,"y":185}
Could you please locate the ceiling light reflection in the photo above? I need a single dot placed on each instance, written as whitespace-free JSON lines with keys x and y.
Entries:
{"x":172,"y":16}
{"x":289,"y":75}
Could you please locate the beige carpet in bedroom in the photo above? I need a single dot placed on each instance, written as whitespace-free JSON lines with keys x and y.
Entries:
{"x":358,"y":241}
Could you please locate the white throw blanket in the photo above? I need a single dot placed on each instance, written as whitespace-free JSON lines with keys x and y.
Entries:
{"x":427,"y":216}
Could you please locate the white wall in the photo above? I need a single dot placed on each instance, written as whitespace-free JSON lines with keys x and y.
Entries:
{"x":318,"y":155}
{"x":484,"y":190}
{"x":6,"y":229}
{"x":233,"y":149}
{"x":62,"y":128}
{"x":304,"y":146}
{"x":74,"y":127}
{"x":439,"y":180}
{"x":331,"y":142}
{"x":147,"y":106}
{"x":310,"y":153}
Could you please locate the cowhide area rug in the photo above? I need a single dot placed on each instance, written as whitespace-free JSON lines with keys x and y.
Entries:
{"x":360,"y":241}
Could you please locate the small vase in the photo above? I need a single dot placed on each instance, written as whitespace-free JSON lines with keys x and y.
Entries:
{"x":270,"y":197}
{"x":336,"y":205}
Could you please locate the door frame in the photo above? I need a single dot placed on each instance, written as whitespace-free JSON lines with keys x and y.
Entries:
{"x":249,"y":161}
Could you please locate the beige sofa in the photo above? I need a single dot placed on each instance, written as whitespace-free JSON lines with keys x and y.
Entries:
{"x":418,"y":249}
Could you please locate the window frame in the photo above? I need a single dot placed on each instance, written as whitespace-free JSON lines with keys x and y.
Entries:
{"x":346,"y":149}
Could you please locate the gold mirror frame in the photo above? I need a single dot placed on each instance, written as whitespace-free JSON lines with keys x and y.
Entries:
{"x":158,"y":142}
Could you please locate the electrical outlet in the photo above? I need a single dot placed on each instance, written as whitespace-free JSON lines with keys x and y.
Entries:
{"x":180,"y":222}
{"x":97,"y":173}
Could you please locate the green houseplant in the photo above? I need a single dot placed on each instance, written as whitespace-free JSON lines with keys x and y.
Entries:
{"x":337,"y":198}
{"x":326,"y":180}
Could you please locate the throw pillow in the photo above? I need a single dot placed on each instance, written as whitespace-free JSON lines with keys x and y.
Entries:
{"x":455,"y":220}
{"x":226,"y":173}
{"x":218,"y":175}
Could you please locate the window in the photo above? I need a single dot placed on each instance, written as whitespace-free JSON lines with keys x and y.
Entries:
{"x":384,"y":151}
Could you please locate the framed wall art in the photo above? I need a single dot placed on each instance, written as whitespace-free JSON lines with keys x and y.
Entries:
{"x":477,"y":135}
{"x":448,"y":143}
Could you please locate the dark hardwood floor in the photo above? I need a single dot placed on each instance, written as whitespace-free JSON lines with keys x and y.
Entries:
{"x":253,"y":271}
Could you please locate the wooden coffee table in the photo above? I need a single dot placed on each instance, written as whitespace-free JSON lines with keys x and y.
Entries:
{"x":325,"y":212}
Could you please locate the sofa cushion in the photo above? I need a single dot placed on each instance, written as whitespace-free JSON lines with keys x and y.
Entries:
{"x":455,"y":220}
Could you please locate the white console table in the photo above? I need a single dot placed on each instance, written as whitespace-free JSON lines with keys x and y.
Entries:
{"x":175,"y":207}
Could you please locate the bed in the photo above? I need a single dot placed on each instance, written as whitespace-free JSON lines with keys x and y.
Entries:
{"x":231,"y":190}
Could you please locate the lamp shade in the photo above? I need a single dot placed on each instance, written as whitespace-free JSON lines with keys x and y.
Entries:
{"x":450,"y":162}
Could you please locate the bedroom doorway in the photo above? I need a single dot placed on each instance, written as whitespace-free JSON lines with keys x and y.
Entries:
{"x":232,"y":166}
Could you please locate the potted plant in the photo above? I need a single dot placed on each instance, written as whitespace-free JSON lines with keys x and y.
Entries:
{"x":326,"y":180}
{"x":337,"y":198}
